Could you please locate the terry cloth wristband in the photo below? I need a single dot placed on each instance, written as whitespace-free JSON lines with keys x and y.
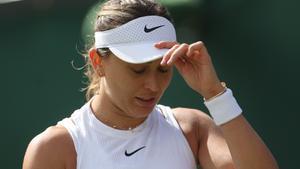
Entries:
{"x":223,"y":108}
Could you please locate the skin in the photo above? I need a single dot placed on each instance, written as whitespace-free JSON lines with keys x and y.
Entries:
{"x":214,"y":147}
{"x":130,"y":102}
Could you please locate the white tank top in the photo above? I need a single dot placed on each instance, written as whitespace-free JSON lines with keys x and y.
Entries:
{"x":158,"y":143}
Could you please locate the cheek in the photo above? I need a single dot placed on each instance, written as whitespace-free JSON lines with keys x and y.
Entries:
{"x":166,"y":79}
{"x":119,"y":85}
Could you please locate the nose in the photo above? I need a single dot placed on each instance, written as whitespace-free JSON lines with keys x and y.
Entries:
{"x":152,"y":83}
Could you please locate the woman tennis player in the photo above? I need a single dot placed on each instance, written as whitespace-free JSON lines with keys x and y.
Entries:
{"x":122,"y":126}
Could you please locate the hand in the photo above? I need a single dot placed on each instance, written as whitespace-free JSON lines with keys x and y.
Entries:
{"x":195,"y":66}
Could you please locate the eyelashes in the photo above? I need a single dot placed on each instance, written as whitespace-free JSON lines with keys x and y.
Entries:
{"x":163,"y":70}
{"x":140,"y":71}
{"x":160,"y":69}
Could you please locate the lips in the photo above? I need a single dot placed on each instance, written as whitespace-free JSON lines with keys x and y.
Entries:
{"x":146,"y":101}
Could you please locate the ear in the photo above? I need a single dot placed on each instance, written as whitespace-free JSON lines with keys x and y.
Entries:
{"x":96,"y":60}
{"x":94,"y":57}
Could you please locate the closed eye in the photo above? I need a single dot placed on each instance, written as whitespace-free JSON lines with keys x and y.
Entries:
{"x":140,"y":71}
{"x":163,"y":69}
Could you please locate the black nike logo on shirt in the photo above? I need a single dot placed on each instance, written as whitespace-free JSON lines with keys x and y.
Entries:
{"x":147,"y":30}
{"x":130,"y":154}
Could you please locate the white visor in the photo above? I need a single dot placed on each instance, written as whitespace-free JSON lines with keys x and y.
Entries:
{"x":134,"y":41}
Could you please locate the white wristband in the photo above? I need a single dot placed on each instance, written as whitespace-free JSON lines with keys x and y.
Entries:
{"x":223,"y":108}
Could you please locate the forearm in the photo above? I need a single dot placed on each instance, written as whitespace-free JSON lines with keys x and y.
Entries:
{"x":247,"y":149}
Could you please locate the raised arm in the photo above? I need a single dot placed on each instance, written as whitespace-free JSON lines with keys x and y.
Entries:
{"x":247,"y":149}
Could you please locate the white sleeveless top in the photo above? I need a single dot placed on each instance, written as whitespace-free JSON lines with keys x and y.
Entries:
{"x":158,"y":143}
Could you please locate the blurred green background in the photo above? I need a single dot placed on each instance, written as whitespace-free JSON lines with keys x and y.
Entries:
{"x":254,"y":45}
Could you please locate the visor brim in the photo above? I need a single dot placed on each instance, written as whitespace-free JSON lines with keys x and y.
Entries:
{"x":137,"y":53}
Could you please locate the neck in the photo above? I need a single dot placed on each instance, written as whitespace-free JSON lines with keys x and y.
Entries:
{"x":111,"y":115}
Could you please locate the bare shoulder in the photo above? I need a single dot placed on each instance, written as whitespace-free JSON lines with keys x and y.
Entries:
{"x":204,"y":137}
{"x":53,"y":148}
{"x":193,"y":118}
{"x":194,"y":124}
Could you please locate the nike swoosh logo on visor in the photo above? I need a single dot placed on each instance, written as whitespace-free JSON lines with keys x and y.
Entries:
{"x":147,"y":30}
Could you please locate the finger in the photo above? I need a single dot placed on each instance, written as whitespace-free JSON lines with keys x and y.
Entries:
{"x":165,"y":44}
{"x":195,"y":47}
{"x":179,"y":64}
{"x":168,"y":55}
{"x":180,"y":52}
